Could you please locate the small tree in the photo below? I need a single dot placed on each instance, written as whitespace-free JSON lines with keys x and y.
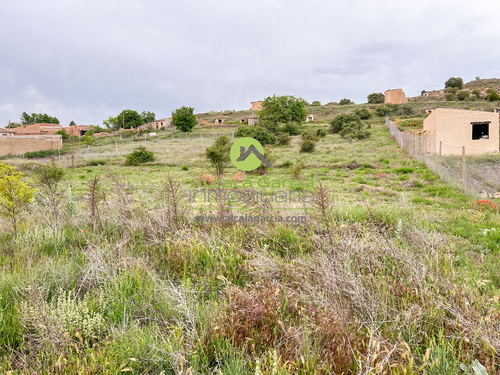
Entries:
{"x":184,"y":119}
{"x":15,"y":195}
{"x":72,"y":123}
{"x":477,"y":93}
{"x":363,"y":113}
{"x":88,"y":139}
{"x":283,"y":109}
{"x":455,"y":82}
{"x":346,"y":101}
{"x":316,"y":103}
{"x":463,"y":95}
{"x":307,"y":146}
{"x":63,"y":134}
{"x":376,"y":98}
{"x":218,"y":154}
{"x":38,"y":118}
{"x":493,"y":96}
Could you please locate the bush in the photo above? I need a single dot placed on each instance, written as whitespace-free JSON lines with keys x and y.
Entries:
{"x":316,"y":103}
{"x":96,"y":162}
{"x":63,"y":134}
{"x":384,"y":110}
{"x":345,"y":101}
{"x":320,"y":133}
{"x":340,"y":120}
{"x":463,"y":95}
{"x":376,"y":98}
{"x":218,"y":153}
{"x":310,"y":136}
{"x":355,"y":130}
{"x":283,"y":139}
{"x":291,"y":128}
{"x":307,"y":146}
{"x":477,"y":93}
{"x":263,"y":135}
{"x":493,"y":96}
{"x":449,"y":97}
{"x":297,"y":170}
{"x":363,"y":113}
{"x":140,"y":155}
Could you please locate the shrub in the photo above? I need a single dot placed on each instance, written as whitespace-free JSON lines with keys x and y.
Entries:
{"x":363,"y":113}
{"x":218,"y":153}
{"x":463,"y":95}
{"x":297,"y":170}
{"x":477,"y":93}
{"x":321,"y":133}
{"x":140,"y":155}
{"x":493,"y":96}
{"x":376,"y":98}
{"x":310,"y":136}
{"x":354,"y":129}
{"x":88,"y":139}
{"x":185,"y":168}
{"x":15,"y":195}
{"x":345,"y":101}
{"x":339,"y":121}
{"x":384,"y":110}
{"x":291,"y":128}
{"x":449,"y":97}
{"x":96,"y":162}
{"x":283,"y":139}
{"x":263,"y":135}
{"x":63,"y":134}
{"x":307,"y":146}
{"x":316,"y":103}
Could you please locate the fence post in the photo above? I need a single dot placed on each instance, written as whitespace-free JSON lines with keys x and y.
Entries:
{"x":464,"y":176}
{"x":440,"y":155}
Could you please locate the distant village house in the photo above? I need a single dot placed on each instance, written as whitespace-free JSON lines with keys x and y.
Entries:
{"x":38,"y":129}
{"x":257,"y":106}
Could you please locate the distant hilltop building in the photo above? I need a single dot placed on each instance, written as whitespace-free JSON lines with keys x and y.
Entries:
{"x":77,"y":130}
{"x":395,"y":96}
{"x":257,"y":106}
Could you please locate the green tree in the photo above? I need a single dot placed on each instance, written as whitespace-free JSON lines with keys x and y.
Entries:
{"x":13,"y":125}
{"x":493,"y":96}
{"x":316,"y":103}
{"x":218,"y":154}
{"x":88,"y":139}
{"x":184,"y":119}
{"x":283,"y":109}
{"x":463,"y":95}
{"x":72,"y":123}
{"x":346,"y":101}
{"x":63,"y":134}
{"x":15,"y":195}
{"x":477,"y":93}
{"x":363,"y":113}
{"x":376,"y":98}
{"x":127,"y":119}
{"x":38,"y":118}
{"x":339,"y":121}
{"x":148,"y":116}
{"x":456,"y":82}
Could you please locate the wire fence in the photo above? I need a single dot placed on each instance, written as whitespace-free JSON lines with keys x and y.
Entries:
{"x":468,"y":169}
{"x":179,"y":146}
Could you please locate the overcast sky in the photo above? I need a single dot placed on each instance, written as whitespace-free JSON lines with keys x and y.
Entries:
{"x":86,"y":60}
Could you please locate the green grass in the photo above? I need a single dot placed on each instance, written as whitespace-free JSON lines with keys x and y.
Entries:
{"x":401,"y":263}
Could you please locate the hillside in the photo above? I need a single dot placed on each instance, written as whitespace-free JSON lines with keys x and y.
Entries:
{"x":393,"y":270}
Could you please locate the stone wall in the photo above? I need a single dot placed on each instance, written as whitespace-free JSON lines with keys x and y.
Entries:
{"x":21,"y":144}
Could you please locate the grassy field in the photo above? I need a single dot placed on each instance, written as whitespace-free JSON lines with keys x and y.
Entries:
{"x":394,"y":271}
